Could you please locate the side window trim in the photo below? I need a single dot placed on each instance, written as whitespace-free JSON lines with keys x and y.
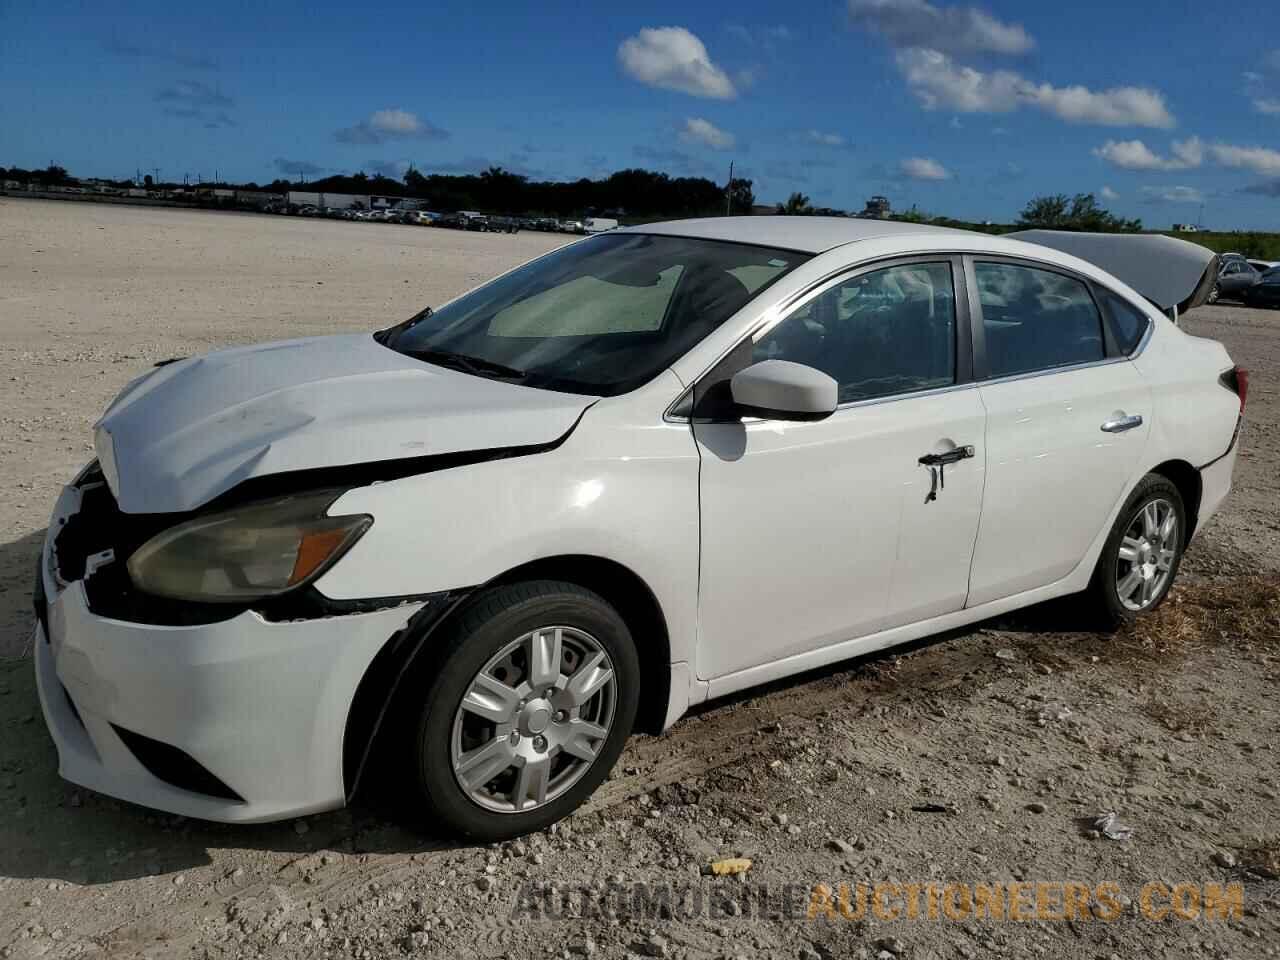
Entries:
{"x":981,"y":364}
{"x":686,"y":406}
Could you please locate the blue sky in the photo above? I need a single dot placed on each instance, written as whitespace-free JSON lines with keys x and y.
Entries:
{"x":965,"y":110}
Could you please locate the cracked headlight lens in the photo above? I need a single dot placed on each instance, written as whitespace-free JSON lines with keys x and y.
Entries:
{"x":247,"y":553}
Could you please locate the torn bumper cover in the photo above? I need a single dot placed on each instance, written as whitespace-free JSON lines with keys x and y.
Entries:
{"x":241,"y":719}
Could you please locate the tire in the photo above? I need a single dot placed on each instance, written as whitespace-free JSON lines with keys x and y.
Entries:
{"x":1214,"y":294}
{"x":1115,"y":596}
{"x":540,"y":732}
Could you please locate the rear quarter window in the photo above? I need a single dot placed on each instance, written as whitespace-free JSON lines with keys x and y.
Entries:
{"x":1128,"y":323}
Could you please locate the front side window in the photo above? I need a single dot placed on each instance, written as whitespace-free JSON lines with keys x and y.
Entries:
{"x":1128,"y":323}
{"x":601,"y":316}
{"x":1035,"y":319}
{"x":877,"y":334}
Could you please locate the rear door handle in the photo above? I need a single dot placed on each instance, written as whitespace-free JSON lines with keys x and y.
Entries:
{"x":1121,"y":424}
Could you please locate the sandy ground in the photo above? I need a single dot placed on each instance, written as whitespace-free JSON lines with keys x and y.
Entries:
{"x":967,"y":760}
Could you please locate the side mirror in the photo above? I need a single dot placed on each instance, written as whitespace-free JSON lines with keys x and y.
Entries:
{"x":782,"y":390}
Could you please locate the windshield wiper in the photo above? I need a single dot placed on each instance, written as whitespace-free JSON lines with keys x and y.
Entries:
{"x":385,"y":337}
{"x":467,"y":364}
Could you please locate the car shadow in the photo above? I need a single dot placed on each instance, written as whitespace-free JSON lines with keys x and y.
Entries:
{"x":17,"y":578}
{"x":51,"y":829}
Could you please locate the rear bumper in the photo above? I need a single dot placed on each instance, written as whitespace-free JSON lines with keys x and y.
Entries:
{"x":1215,"y":481}
{"x":260,"y":706}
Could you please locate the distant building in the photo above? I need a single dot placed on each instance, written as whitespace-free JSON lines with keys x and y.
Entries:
{"x":257,"y":199}
{"x":1185,"y":228}
{"x":877,"y":208}
{"x":314,"y":198}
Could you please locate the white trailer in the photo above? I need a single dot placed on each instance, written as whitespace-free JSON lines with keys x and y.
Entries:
{"x":599,"y":224}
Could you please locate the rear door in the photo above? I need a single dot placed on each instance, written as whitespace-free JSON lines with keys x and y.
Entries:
{"x":816,"y":533}
{"x":1067,"y":420}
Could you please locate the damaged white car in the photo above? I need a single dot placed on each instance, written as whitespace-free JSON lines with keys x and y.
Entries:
{"x":472,"y":553}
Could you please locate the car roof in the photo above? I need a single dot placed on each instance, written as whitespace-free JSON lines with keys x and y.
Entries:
{"x":805,"y":234}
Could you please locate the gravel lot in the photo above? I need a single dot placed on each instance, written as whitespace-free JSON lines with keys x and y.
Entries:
{"x":967,"y":760}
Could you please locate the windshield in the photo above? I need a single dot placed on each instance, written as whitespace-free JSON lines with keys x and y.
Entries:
{"x":601,"y":316}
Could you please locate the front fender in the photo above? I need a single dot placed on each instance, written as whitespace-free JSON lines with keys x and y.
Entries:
{"x":616,"y":489}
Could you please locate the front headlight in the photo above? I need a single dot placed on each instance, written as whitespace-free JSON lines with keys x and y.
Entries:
{"x":247,"y":553}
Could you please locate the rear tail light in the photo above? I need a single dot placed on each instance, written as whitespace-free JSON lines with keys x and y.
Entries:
{"x":1237,"y":381}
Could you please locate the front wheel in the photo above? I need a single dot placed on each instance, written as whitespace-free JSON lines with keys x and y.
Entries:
{"x":531,"y":702}
{"x":1214,"y":294}
{"x":1142,"y":554}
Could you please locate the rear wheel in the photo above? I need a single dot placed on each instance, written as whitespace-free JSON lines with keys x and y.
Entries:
{"x":1143,"y":552}
{"x":525,"y":713}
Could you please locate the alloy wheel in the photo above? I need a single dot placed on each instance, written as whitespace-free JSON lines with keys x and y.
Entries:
{"x":533,"y":720}
{"x":1148,"y":550}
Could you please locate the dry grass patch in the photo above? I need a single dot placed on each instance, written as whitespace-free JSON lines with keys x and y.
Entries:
{"x":1238,"y":611}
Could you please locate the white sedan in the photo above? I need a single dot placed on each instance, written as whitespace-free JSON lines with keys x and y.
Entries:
{"x":475,"y":551}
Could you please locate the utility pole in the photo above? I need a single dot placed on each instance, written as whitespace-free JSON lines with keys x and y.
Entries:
{"x":728,"y":192}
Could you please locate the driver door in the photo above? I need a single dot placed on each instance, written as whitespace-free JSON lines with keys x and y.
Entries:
{"x":814,"y":533}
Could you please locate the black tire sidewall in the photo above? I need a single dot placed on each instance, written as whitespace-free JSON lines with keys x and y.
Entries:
{"x":1151,"y":487}
{"x":478,"y":635}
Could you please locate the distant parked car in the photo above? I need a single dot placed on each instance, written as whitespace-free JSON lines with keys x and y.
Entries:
{"x":1262,"y":266}
{"x":1235,"y":277}
{"x":1266,"y":292}
{"x":572,"y":226}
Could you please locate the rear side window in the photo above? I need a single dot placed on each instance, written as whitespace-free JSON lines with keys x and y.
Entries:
{"x":1036,"y":319}
{"x":1128,"y":323}
{"x":877,"y":334}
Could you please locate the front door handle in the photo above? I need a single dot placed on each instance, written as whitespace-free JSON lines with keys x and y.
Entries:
{"x":1121,"y":424}
{"x":951,"y":456}
{"x":937,"y":464}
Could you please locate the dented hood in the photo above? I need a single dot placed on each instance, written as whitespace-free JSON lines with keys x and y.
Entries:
{"x":193,"y":429}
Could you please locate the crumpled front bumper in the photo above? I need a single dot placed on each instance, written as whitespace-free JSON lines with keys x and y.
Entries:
{"x":260,"y":706}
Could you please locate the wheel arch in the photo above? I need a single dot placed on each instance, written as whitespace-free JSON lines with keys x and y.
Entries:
{"x":1190,"y":487}
{"x":616,"y":583}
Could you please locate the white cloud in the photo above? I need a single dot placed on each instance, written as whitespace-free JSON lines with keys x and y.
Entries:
{"x":1117,"y":107}
{"x":1136,"y":155}
{"x":918,"y":23}
{"x":1267,"y":105}
{"x":705,"y":133}
{"x":924,"y":168}
{"x":824,"y":139}
{"x":937,"y":81}
{"x":393,"y":124}
{"x":400,"y":123}
{"x":672,"y":58}
{"x":1108,"y":194}
{"x":1260,"y":160}
{"x":1172,"y":195}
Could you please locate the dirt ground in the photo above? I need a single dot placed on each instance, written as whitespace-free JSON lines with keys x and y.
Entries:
{"x":967,"y":761}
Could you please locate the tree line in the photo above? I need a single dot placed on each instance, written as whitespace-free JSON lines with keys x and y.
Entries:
{"x":634,"y":193}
